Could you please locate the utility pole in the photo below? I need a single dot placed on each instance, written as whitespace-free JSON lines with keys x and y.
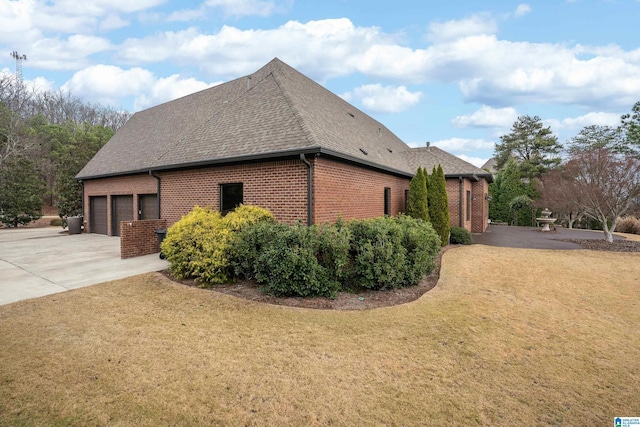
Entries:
{"x":19,"y":58}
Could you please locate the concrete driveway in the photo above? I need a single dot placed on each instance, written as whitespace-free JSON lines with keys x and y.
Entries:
{"x":41,"y":261}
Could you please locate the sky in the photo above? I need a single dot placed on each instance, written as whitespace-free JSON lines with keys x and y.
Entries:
{"x":454,"y":73}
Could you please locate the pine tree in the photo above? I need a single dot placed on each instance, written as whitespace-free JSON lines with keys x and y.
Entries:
{"x":21,"y":189}
{"x":439,"y":204}
{"x":417,"y":204}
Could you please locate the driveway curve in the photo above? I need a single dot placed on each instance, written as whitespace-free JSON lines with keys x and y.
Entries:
{"x":41,"y":261}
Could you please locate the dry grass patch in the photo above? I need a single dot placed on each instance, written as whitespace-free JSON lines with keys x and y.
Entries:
{"x":508,"y":337}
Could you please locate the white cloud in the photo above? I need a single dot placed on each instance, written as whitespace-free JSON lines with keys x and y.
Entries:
{"x":577,"y":123}
{"x":384,"y":99}
{"x":108,"y":84}
{"x":457,"y":29}
{"x":522,"y":10}
{"x":476,"y":161}
{"x":167,"y":89}
{"x":488,"y":70}
{"x":487,"y":116}
{"x":244,"y":7}
{"x":464,"y":144}
{"x":69,"y":54}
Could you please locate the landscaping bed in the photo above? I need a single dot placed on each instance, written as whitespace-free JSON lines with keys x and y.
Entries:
{"x":363,"y":300}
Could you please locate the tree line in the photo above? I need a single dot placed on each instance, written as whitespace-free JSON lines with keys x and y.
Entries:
{"x":46,"y":137}
{"x":593,"y":180}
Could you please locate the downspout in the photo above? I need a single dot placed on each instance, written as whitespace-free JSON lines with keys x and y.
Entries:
{"x":81,"y":182}
{"x":460,"y":204}
{"x":309,"y":189}
{"x":157,"y":191}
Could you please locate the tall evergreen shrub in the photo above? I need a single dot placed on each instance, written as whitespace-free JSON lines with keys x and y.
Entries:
{"x":439,"y":204}
{"x":417,"y":206}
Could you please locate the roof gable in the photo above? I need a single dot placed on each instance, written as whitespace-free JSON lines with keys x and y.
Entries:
{"x":430,"y":157}
{"x":276,"y":109}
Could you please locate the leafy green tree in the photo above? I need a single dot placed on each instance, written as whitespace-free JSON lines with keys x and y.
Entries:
{"x":533,"y":146}
{"x":417,"y":206}
{"x":506,"y":187}
{"x":439,"y":204}
{"x":74,"y":150}
{"x":596,"y":137}
{"x":630,"y":128}
{"x":21,"y":189}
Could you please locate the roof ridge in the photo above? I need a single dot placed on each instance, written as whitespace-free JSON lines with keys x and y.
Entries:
{"x":296,"y":113}
{"x":226,"y":104}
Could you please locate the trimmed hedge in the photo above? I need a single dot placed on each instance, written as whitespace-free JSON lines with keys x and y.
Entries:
{"x":460,"y":236}
{"x":297,"y":260}
{"x":293,"y":260}
{"x":379,"y":253}
{"x":391,"y":253}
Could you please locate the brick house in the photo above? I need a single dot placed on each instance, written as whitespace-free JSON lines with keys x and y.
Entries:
{"x":275,"y":139}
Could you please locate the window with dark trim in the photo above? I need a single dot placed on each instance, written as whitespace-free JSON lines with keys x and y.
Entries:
{"x":468,"y":205}
{"x":387,"y":201}
{"x":231,"y":195}
{"x":406,"y":200}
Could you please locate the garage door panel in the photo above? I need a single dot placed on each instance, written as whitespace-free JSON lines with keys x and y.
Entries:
{"x":98,"y":216}
{"x":122,"y":210}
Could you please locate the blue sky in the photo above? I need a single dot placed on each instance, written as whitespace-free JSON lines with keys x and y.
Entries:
{"x":454,"y":73}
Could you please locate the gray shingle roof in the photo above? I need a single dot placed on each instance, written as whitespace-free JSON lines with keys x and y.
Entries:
{"x":274,"y":111}
{"x":430,"y":157}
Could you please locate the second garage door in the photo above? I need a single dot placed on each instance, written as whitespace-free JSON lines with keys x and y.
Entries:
{"x":122,"y":210}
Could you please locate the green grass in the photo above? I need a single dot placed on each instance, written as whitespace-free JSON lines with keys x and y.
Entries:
{"x":508,"y":337}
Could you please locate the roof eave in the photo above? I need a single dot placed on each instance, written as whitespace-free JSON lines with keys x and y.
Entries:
{"x":316,"y":150}
{"x":473,"y":176}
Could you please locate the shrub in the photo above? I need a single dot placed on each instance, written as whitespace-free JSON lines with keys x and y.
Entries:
{"x":245,"y":215}
{"x":417,"y":206}
{"x":292,"y":260}
{"x":628,"y":224}
{"x":197,"y":245}
{"x":56,"y":222}
{"x":422,"y":244}
{"x":390,"y":253}
{"x":439,"y":204}
{"x":460,"y":236}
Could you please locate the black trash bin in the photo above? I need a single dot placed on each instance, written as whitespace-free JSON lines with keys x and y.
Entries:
{"x":161,"y":233}
{"x":75,"y":224}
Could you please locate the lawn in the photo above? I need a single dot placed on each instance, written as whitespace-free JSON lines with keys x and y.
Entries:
{"x":508,"y":337}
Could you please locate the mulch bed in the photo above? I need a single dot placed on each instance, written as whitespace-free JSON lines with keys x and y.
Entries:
{"x":363,"y":300}
{"x":367,"y":299}
{"x":603,"y":245}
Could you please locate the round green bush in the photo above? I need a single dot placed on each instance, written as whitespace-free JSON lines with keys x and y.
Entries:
{"x":460,"y":236}
{"x":390,"y":253}
{"x":197,"y":245}
{"x":292,"y":260}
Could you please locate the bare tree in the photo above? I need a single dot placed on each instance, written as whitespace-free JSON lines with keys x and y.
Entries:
{"x":600,"y":183}
{"x":555,"y":189}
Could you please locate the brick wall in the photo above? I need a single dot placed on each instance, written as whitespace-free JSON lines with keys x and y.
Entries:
{"x":280,"y":186}
{"x":480,"y":206}
{"x":353,"y":192}
{"x":138,"y":238}
{"x":478,"y":209}
{"x":134,"y":185}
